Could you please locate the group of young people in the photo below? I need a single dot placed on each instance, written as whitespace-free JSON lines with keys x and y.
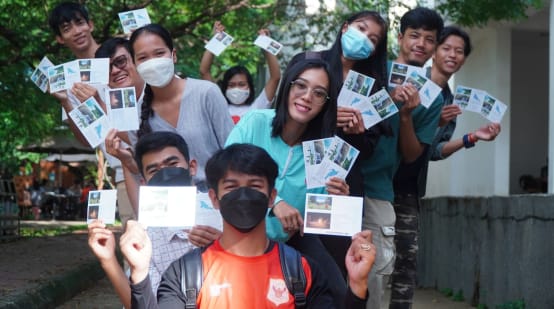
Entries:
{"x":254,"y":170}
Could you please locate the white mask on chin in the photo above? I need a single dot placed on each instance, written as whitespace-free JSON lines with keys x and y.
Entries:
{"x":237,"y":96}
{"x":157,"y":72}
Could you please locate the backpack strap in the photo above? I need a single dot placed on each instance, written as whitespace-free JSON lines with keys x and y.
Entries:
{"x":191,"y":276}
{"x":295,"y":279}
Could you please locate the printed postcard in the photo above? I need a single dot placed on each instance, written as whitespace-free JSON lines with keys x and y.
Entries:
{"x":121,"y":104}
{"x":493,"y":109}
{"x":101,"y":206}
{"x":206,"y":214}
{"x":91,"y":121}
{"x":402,"y":74}
{"x":219,"y":42}
{"x":338,"y":160}
{"x":481,"y":102}
{"x":314,"y":152}
{"x":167,"y":206}
{"x":268,"y":44}
{"x":132,"y":20}
{"x":469,"y":98}
{"x":40,"y":74}
{"x":333,"y":214}
{"x":63,"y":76}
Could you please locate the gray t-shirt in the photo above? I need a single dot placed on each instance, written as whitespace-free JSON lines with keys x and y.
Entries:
{"x":204,"y":122}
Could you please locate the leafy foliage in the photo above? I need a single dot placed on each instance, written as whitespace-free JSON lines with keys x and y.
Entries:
{"x":479,"y":12}
{"x":27,"y":115}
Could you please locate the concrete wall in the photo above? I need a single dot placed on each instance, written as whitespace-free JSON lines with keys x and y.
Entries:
{"x":496,"y":250}
{"x":485,"y":169}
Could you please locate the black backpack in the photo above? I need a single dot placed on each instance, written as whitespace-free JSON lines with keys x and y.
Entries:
{"x":291,"y":266}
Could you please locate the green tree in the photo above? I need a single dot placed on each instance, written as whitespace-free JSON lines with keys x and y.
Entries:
{"x":27,"y":115}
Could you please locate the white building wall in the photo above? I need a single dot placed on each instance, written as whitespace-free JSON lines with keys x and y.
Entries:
{"x":483,"y":170}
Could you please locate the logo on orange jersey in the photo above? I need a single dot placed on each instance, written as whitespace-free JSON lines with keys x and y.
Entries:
{"x":277,"y":292}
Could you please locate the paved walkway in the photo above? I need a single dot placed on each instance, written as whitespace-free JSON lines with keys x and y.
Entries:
{"x":61,"y":272}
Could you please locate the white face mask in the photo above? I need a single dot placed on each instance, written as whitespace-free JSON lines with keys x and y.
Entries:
{"x":237,"y":96}
{"x":157,"y":72}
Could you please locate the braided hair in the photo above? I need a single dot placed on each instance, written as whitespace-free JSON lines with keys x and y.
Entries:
{"x":146,"y":111}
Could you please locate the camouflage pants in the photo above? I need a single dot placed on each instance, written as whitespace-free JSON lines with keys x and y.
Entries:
{"x":404,"y":276}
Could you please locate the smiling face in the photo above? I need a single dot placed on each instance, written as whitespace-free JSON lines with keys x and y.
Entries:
{"x":148,"y":46}
{"x":302,"y":104}
{"x":416,"y":46}
{"x":123,"y":72}
{"x":368,"y":27}
{"x":449,"y":56}
{"x":76,"y":35}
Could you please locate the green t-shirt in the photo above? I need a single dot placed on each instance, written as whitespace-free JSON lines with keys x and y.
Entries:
{"x":378,"y":171}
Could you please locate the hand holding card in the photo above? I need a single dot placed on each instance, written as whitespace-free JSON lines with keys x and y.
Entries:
{"x":219,"y":42}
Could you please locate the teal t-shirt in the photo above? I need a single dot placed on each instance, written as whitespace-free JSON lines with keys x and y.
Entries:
{"x":255,"y":128}
{"x":378,"y":171}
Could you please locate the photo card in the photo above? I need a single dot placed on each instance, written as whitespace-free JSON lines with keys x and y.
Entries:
{"x":314,"y":152}
{"x":40,"y":74}
{"x":481,"y":102}
{"x":132,"y":20}
{"x":167,"y":206}
{"x":101,"y":206}
{"x":91,"y":120}
{"x":355,"y":92}
{"x":219,"y":42}
{"x":206,"y":214}
{"x":402,"y":74}
{"x":268,"y":44}
{"x":121,"y":104}
{"x":95,"y":70}
{"x":493,"y":109}
{"x":469,"y":98}
{"x":63,"y":76}
{"x":338,"y":160}
{"x":90,"y":71}
{"x":333,"y":214}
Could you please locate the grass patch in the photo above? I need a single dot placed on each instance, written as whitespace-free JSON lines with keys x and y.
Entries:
{"x":50,"y":231}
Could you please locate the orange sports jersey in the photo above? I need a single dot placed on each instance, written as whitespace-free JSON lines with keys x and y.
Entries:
{"x":258,"y":282}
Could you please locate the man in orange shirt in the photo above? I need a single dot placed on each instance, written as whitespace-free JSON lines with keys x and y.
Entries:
{"x":242,"y":269}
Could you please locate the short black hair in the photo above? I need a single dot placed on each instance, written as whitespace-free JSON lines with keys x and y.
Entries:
{"x":453,"y":30}
{"x":324,"y":124}
{"x":156,"y":141}
{"x":421,"y":17}
{"x":241,"y":158}
{"x":109,"y":47}
{"x":238,"y":69}
{"x":66,"y":12}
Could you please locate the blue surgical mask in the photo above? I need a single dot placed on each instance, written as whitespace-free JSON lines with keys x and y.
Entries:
{"x":355,"y":45}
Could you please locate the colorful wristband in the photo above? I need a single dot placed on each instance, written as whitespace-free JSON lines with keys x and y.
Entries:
{"x":467,"y":141}
{"x":472,"y":138}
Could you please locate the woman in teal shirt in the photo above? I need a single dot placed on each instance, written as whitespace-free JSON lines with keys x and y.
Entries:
{"x":306,"y":109}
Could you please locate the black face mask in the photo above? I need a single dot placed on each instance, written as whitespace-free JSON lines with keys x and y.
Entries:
{"x":171,"y":177}
{"x":243,"y":208}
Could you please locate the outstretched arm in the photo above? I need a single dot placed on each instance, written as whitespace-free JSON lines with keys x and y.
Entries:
{"x":485,"y":133}
{"x":208,"y":58}
{"x":102,"y":243}
{"x":274,"y":70}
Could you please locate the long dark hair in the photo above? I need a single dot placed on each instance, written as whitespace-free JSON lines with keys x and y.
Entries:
{"x":323,"y":125}
{"x":374,"y":66}
{"x":146,"y":110}
{"x":238,"y":69}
